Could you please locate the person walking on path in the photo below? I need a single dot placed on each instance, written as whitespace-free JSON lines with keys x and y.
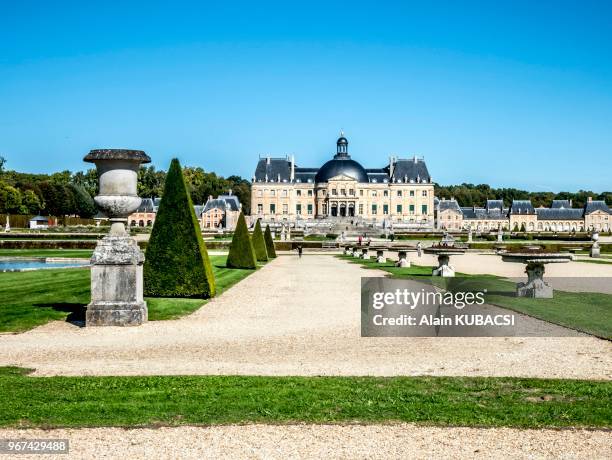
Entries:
{"x":299,"y":250}
{"x":419,"y":249}
{"x":359,"y":239}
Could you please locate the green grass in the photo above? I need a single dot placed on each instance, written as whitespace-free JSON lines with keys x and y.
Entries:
{"x":587,"y":312}
{"x":71,"y":253}
{"x":29,"y":299}
{"x":207,"y":400}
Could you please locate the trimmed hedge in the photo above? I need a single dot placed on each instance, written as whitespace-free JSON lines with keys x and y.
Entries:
{"x":259,"y":244}
{"x":177,"y":263}
{"x":269,"y":243}
{"x":241,"y":252}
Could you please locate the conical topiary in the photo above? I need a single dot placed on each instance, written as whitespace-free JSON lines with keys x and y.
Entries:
{"x":176,"y":262}
{"x":269,"y":243}
{"x":259,"y":244}
{"x":241,"y":252}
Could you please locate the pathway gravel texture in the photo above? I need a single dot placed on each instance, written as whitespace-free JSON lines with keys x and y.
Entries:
{"x":398,"y":441}
{"x":293,"y":317}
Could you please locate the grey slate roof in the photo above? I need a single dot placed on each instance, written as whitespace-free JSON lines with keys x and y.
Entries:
{"x":522,"y":207}
{"x":495,"y":204}
{"x":484,"y":213}
{"x":224,"y":202}
{"x":273,"y":170}
{"x":559,"y":213}
{"x":449,"y":204}
{"x":596,"y":205}
{"x":410,"y":170}
{"x":147,"y":205}
{"x":556,"y":204}
{"x":279,"y":170}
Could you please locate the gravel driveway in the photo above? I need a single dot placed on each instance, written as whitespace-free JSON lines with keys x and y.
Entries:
{"x":293,"y":317}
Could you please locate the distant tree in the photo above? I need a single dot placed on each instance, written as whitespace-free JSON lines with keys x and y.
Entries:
{"x":88,"y":180}
{"x":241,"y":252}
{"x":150,"y":182}
{"x":269,"y":243}
{"x":177,"y":262}
{"x":523,"y":228}
{"x":259,"y":243}
{"x":31,"y":203}
{"x":84,"y":205}
{"x":10,"y":199}
{"x":2,"y":163}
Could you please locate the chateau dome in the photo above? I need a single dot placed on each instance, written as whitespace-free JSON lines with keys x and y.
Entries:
{"x":341,"y":165}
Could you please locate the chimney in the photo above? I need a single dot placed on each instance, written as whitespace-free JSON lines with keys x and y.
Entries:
{"x":292,"y":168}
{"x":391,"y":165}
{"x":590,"y":199}
{"x":268,"y":160}
{"x":210,"y":197}
{"x":415,"y":159}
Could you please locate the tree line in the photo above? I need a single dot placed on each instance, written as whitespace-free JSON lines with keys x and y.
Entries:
{"x":477,"y":195}
{"x":69,"y":193}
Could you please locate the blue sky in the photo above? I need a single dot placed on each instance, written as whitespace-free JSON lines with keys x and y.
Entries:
{"x":507,"y":93}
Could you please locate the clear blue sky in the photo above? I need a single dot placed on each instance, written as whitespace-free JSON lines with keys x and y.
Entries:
{"x":508,"y":93}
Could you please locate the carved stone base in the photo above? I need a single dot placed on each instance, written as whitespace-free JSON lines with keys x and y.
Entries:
{"x":595,"y":251}
{"x":445,"y":269}
{"x":402,"y":260}
{"x":535,"y":287}
{"x":116,"y":314}
{"x":116,"y":284}
{"x":365,"y":255}
{"x":380,"y":257}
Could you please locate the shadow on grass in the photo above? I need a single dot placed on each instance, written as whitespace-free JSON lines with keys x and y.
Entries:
{"x":76,"y":311}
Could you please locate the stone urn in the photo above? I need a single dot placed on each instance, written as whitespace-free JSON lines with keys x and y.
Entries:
{"x":116,"y":273}
{"x":595,"y":251}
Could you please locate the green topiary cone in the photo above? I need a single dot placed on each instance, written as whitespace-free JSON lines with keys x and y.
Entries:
{"x":269,"y":243}
{"x":259,"y":243}
{"x":177,"y":263}
{"x":241,"y":252}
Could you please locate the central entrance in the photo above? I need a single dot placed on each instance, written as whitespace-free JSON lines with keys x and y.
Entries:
{"x":342,"y":209}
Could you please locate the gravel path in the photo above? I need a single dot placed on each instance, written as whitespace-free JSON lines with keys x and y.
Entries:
{"x":325,"y":441}
{"x":293,"y":317}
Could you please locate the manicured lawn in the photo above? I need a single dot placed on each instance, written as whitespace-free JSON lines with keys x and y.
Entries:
{"x":48,"y":402}
{"x":584,"y":311}
{"x":71,"y":253}
{"x":29,"y":299}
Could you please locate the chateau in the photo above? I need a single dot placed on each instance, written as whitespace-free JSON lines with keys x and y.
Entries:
{"x":521,"y":215}
{"x":400,"y":194}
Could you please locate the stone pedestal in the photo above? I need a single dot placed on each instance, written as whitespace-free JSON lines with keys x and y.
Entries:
{"x":445,"y":269}
{"x":380,"y":256}
{"x":116,"y":284}
{"x":500,"y":236}
{"x":402,"y":259}
{"x":595,"y":251}
{"x":348,"y":251}
{"x":535,"y":287}
{"x":356,"y":252}
{"x":364,"y":254}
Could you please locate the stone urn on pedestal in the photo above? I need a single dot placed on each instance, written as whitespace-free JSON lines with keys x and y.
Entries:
{"x":595,"y":251}
{"x":116,"y":273}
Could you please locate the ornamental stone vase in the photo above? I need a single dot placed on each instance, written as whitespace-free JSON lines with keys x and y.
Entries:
{"x":116,"y":273}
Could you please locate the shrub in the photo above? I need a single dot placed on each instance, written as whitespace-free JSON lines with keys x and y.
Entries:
{"x":177,"y":263}
{"x":259,"y":244}
{"x":241,"y":252}
{"x":269,"y":243}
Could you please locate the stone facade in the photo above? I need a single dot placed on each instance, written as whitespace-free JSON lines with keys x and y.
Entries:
{"x":400,"y":193}
{"x":221,"y":212}
{"x":560,"y":217}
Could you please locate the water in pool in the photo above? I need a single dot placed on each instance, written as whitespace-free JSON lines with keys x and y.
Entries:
{"x":21,"y":265}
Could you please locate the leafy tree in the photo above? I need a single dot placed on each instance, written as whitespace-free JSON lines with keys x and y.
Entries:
{"x":10,"y":199}
{"x":523,"y":228}
{"x":2,"y":163}
{"x":84,"y":205}
{"x":241,"y":252}
{"x":269,"y":243}
{"x":31,"y":203}
{"x":177,"y":262}
{"x":259,"y":244}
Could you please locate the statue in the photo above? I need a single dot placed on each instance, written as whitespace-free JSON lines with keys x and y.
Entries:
{"x":595,"y":249}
